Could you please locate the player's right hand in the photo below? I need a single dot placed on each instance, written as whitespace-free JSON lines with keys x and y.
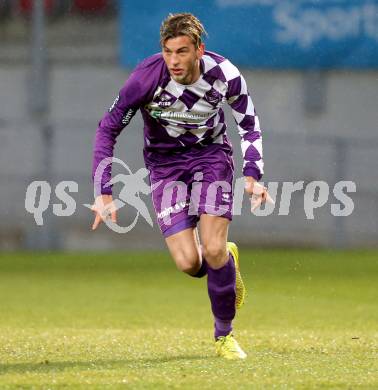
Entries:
{"x":104,"y":208}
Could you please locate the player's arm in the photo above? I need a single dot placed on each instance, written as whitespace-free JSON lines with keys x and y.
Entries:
{"x":113,"y":122}
{"x":248,"y":123}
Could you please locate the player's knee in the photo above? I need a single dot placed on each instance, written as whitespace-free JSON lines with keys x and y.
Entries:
{"x":215,"y":254}
{"x":186,"y":262}
{"x":188,"y":268}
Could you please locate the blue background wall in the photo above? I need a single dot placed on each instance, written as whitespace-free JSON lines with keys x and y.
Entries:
{"x":264,"y":33}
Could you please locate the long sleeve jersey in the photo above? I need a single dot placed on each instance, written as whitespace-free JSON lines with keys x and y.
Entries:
{"x":178,"y":116}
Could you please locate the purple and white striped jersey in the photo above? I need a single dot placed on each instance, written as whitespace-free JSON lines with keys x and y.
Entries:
{"x":177,"y":117}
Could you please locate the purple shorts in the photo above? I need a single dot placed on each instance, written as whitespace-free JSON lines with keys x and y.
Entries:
{"x":188,"y":184}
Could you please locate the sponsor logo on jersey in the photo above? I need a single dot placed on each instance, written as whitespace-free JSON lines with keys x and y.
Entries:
{"x":226,"y":197}
{"x":180,"y":116}
{"x":172,"y":209}
{"x":165,"y":97}
{"x":213,"y":97}
{"x":165,"y":100}
{"x":127,"y":117}
{"x":111,"y":108}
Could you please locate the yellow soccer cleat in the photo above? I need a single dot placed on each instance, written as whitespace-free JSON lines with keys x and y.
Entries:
{"x":228,"y":347}
{"x":240,"y":288}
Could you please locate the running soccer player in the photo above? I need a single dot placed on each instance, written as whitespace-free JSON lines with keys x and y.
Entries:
{"x":180,"y":93}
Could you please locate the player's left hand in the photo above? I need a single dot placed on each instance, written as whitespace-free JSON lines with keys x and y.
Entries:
{"x":258,"y":193}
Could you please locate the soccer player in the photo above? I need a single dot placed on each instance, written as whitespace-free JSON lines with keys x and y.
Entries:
{"x":180,"y":93}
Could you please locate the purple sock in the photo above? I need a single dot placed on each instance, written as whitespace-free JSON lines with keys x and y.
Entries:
{"x":221,"y":289}
{"x":222,"y":328}
{"x":202,"y":271}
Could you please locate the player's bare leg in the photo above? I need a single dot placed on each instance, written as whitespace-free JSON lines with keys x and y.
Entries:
{"x":213,"y":233}
{"x":186,"y":252}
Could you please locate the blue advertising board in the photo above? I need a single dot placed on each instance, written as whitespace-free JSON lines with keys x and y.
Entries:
{"x":263,"y":33}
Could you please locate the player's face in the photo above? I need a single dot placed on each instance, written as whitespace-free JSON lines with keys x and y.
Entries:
{"x":182,"y":59}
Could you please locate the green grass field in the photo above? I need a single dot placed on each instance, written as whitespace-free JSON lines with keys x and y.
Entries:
{"x":119,"y":320}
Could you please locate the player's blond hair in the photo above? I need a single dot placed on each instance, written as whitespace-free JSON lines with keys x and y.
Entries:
{"x":175,"y":25}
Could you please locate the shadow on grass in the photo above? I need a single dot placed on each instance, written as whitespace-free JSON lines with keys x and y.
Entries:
{"x":56,"y":366}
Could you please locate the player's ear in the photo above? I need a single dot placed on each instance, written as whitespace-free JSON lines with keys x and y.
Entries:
{"x":201,"y":50}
